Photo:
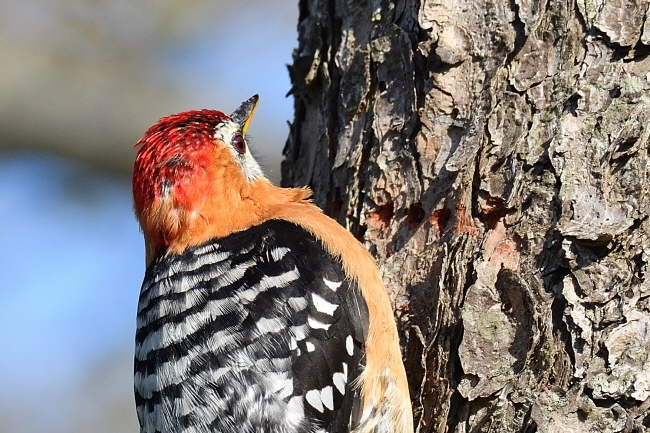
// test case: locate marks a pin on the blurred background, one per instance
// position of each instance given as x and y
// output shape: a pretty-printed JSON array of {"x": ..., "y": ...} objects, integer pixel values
[{"x": 80, "y": 82}]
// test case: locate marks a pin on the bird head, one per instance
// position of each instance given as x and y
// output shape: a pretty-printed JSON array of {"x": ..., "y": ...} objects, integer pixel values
[{"x": 194, "y": 179}]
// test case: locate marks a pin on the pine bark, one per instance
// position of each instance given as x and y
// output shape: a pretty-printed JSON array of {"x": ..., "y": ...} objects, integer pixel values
[{"x": 494, "y": 157}]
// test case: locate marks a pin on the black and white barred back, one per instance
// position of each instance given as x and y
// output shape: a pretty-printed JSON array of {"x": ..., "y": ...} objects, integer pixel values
[{"x": 257, "y": 332}]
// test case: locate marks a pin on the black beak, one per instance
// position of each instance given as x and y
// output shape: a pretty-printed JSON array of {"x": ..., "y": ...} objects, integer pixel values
[{"x": 244, "y": 113}]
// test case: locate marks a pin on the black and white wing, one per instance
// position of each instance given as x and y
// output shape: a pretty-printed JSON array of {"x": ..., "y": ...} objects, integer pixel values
[{"x": 258, "y": 332}]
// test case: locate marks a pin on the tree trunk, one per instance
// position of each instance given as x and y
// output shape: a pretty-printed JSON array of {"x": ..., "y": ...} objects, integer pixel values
[{"x": 493, "y": 156}]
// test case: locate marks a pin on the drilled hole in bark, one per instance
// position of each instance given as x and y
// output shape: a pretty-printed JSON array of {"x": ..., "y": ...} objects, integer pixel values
[
  {"x": 439, "y": 219},
  {"x": 383, "y": 215},
  {"x": 414, "y": 215},
  {"x": 492, "y": 211}
]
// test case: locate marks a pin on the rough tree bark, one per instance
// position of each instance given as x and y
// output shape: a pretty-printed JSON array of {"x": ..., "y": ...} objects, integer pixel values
[{"x": 493, "y": 155}]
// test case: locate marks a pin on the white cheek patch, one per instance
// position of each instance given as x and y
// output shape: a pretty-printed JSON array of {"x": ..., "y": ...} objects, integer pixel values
[
  {"x": 225, "y": 133},
  {"x": 250, "y": 167}
]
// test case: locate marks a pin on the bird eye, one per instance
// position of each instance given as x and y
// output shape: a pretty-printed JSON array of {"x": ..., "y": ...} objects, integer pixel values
[{"x": 239, "y": 144}]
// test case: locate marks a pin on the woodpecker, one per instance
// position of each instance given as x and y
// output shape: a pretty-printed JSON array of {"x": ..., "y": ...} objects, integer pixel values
[{"x": 258, "y": 313}]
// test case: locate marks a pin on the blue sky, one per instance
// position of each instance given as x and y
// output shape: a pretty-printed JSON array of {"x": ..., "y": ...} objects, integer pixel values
[
  {"x": 71, "y": 254},
  {"x": 71, "y": 259}
]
